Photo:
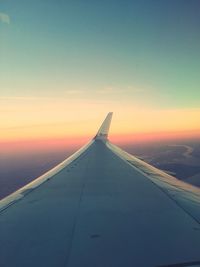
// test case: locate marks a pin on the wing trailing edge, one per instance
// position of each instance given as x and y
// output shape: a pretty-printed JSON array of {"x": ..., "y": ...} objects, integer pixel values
[{"x": 103, "y": 131}]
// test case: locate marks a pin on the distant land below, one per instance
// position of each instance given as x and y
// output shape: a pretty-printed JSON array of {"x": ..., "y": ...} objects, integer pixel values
[{"x": 178, "y": 158}]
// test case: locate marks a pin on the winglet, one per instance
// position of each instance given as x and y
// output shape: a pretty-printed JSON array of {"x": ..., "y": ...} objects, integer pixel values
[{"x": 102, "y": 133}]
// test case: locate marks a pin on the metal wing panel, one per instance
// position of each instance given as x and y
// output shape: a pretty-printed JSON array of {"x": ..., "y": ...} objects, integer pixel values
[
  {"x": 12, "y": 198},
  {"x": 97, "y": 211},
  {"x": 186, "y": 195}
]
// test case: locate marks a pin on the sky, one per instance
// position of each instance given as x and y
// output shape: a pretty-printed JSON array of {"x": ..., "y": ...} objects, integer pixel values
[{"x": 65, "y": 64}]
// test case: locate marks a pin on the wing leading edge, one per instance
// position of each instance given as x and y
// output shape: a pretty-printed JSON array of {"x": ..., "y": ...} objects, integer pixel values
[{"x": 101, "y": 207}]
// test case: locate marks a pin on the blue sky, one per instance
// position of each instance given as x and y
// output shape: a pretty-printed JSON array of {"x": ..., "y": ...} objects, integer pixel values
[
  {"x": 152, "y": 46},
  {"x": 63, "y": 57}
]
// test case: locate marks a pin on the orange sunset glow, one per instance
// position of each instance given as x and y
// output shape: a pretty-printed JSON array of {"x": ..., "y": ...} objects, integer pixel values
[
  {"x": 63, "y": 119},
  {"x": 58, "y": 123}
]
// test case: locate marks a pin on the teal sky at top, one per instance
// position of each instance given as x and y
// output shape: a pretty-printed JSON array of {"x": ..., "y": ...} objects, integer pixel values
[{"x": 140, "y": 49}]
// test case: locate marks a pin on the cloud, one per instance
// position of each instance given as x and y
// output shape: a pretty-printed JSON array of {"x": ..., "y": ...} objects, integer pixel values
[
  {"x": 120, "y": 90},
  {"x": 107, "y": 90},
  {"x": 74, "y": 92},
  {"x": 4, "y": 18},
  {"x": 20, "y": 98}
]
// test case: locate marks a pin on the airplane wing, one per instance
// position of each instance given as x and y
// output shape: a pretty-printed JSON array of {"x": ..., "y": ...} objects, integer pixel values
[{"x": 102, "y": 207}]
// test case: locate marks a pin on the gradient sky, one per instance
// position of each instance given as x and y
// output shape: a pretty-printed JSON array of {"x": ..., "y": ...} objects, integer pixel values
[{"x": 65, "y": 64}]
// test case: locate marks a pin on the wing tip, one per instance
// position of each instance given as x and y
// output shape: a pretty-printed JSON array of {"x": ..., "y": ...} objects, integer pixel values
[{"x": 103, "y": 131}]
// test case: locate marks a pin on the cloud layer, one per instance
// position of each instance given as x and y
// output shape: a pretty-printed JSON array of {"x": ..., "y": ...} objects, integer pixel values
[{"x": 4, "y": 18}]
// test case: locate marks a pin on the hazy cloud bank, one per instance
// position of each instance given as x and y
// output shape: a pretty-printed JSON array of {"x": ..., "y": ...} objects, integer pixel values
[{"x": 4, "y": 18}]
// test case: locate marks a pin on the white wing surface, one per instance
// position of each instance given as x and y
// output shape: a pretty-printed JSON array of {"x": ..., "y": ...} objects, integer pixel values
[{"x": 102, "y": 207}]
